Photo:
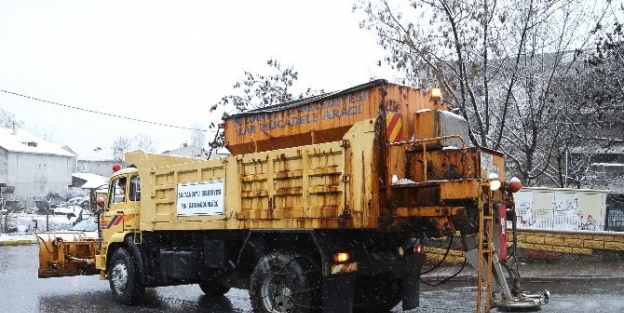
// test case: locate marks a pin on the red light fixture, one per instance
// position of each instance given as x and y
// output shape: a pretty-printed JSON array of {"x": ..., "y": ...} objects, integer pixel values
[
  {"x": 116, "y": 167},
  {"x": 514, "y": 185}
]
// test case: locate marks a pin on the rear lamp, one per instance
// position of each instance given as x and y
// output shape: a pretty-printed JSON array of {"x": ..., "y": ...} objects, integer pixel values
[
  {"x": 341, "y": 257},
  {"x": 418, "y": 249}
]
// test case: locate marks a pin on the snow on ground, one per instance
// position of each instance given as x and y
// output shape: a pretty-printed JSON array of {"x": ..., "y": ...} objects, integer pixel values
[
  {"x": 8, "y": 237},
  {"x": 27, "y": 224}
]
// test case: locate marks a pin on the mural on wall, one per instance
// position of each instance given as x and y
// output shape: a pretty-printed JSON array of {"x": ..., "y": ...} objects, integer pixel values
[{"x": 547, "y": 209}]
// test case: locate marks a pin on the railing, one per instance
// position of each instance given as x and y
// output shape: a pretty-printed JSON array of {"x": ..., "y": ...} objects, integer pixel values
[
  {"x": 560, "y": 221},
  {"x": 615, "y": 220},
  {"x": 29, "y": 223}
]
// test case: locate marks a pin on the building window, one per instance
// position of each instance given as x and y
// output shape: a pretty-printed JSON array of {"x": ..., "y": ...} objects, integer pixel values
[{"x": 84, "y": 167}]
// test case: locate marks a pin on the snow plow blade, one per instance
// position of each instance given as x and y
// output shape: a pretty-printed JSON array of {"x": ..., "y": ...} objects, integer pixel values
[{"x": 66, "y": 254}]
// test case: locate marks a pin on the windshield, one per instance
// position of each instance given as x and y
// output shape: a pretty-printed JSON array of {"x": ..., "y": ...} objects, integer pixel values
[{"x": 88, "y": 225}]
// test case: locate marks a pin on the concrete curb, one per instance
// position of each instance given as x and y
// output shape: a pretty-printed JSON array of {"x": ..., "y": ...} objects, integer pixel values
[
  {"x": 17, "y": 242},
  {"x": 525, "y": 278}
]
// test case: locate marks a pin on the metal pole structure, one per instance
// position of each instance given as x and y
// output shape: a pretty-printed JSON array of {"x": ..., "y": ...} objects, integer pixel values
[
  {"x": 47, "y": 210},
  {"x": 565, "y": 184},
  {"x": 5, "y": 229}
]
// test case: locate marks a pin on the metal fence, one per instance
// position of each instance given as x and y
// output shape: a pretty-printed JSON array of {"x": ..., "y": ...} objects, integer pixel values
[
  {"x": 18, "y": 224},
  {"x": 615, "y": 220},
  {"x": 562, "y": 222},
  {"x": 23, "y": 204}
]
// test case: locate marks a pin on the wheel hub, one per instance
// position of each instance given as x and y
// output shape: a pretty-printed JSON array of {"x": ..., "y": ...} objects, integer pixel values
[
  {"x": 277, "y": 295},
  {"x": 119, "y": 277}
]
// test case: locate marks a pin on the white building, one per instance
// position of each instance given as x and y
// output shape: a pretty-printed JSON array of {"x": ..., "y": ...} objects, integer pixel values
[
  {"x": 33, "y": 167},
  {"x": 98, "y": 161},
  {"x": 187, "y": 151},
  {"x": 196, "y": 152}
]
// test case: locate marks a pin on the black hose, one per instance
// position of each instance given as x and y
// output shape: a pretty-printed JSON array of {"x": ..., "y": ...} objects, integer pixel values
[
  {"x": 448, "y": 249},
  {"x": 447, "y": 279}
]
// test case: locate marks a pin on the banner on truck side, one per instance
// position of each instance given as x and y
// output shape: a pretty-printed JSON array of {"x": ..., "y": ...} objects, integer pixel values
[{"x": 204, "y": 198}]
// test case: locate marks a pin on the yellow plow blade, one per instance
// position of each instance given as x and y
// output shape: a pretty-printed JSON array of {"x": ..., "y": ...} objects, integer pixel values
[{"x": 66, "y": 254}]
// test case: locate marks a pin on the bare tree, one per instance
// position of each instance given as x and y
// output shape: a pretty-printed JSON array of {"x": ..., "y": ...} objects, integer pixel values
[
  {"x": 198, "y": 136},
  {"x": 596, "y": 123},
  {"x": 257, "y": 91},
  {"x": 44, "y": 133},
  {"x": 600, "y": 90},
  {"x": 8, "y": 120},
  {"x": 497, "y": 62},
  {"x": 121, "y": 145},
  {"x": 143, "y": 142}
]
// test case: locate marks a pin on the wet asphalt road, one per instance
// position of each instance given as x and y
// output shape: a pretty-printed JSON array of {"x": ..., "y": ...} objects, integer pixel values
[{"x": 22, "y": 291}]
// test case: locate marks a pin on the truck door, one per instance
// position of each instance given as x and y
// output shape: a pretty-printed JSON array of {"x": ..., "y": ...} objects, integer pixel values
[
  {"x": 123, "y": 201},
  {"x": 117, "y": 192}
]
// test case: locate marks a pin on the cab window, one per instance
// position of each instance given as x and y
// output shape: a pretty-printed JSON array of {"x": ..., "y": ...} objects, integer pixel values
[
  {"x": 134, "y": 194},
  {"x": 118, "y": 190}
]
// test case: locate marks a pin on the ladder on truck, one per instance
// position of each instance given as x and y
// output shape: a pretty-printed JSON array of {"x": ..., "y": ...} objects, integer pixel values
[
  {"x": 485, "y": 252},
  {"x": 492, "y": 287}
]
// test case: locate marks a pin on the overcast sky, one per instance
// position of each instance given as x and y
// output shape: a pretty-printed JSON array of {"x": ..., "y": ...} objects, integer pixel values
[{"x": 165, "y": 61}]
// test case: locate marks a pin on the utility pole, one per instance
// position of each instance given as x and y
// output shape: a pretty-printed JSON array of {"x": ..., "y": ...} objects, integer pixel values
[{"x": 6, "y": 215}]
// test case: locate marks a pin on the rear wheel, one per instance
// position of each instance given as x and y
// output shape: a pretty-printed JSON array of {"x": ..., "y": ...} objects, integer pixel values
[
  {"x": 376, "y": 294},
  {"x": 124, "y": 278},
  {"x": 285, "y": 282}
]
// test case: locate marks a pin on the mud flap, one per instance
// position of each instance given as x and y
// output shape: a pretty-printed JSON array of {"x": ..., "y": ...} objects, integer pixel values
[
  {"x": 410, "y": 294},
  {"x": 338, "y": 294}
]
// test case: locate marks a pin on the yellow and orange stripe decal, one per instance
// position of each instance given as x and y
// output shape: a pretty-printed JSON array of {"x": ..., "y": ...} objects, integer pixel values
[
  {"x": 117, "y": 219},
  {"x": 394, "y": 127}
]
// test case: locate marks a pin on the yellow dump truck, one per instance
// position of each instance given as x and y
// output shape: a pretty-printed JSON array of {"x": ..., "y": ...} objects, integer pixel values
[{"x": 325, "y": 204}]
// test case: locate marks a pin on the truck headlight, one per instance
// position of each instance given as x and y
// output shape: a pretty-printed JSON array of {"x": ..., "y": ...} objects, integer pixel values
[{"x": 495, "y": 183}]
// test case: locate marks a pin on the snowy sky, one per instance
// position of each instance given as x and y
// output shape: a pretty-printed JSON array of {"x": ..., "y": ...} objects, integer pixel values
[{"x": 165, "y": 61}]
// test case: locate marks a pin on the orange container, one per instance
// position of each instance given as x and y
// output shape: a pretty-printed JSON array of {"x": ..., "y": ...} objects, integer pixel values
[{"x": 326, "y": 118}]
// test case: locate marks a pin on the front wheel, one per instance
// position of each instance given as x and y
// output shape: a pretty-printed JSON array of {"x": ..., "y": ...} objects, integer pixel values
[
  {"x": 124, "y": 278},
  {"x": 285, "y": 282}
]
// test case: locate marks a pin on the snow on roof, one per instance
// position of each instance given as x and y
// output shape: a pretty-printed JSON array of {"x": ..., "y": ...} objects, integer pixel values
[
  {"x": 594, "y": 149},
  {"x": 609, "y": 164},
  {"x": 197, "y": 152},
  {"x": 25, "y": 142},
  {"x": 97, "y": 154},
  {"x": 92, "y": 180},
  {"x": 190, "y": 150}
]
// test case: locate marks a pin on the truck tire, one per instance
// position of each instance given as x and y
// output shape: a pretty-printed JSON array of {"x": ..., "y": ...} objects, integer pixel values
[
  {"x": 376, "y": 294},
  {"x": 285, "y": 282},
  {"x": 214, "y": 288},
  {"x": 124, "y": 278}
]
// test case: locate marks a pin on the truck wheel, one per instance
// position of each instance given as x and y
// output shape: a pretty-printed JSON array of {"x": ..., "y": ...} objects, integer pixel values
[
  {"x": 376, "y": 294},
  {"x": 124, "y": 278},
  {"x": 284, "y": 282},
  {"x": 214, "y": 288}
]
